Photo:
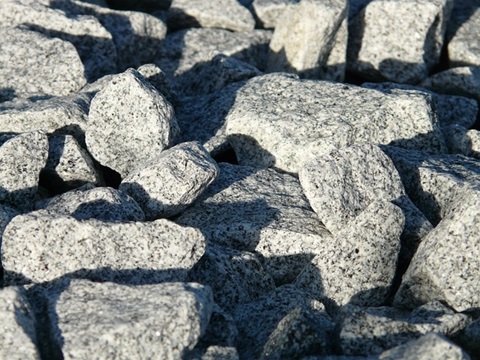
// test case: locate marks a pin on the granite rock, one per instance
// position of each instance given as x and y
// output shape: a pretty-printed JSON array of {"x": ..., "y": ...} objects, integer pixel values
[
  {"x": 219, "y": 352},
  {"x": 134, "y": 252},
  {"x": 447, "y": 262},
  {"x": 268, "y": 12},
  {"x": 429, "y": 346},
  {"x": 259, "y": 211},
  {"x": 261, "y": 320},
  {"x": 280, "y": 121},
  {"x": 223, "y": 14},
  {"x": 130, "y": 123},
  {"x": 221, "y": 330},
  {"x": 168, "y": 184},
  {"x": 235, "y": 276},
  {"x": 108, "y": 320},
  {"x": 159, "y": 79},
  {"x": 463, "y": 47},
  {"x": 370, "y": 331},
  {"x": 18, "y": 339},
  {"x": 390, "y": 41},
  {"x": 469, "y": 338},
  {"x": 29, "y": 69},
  {"x": 89, "y": 202},
  {"x": 359, "y": 264},
  {"x": 305, "y": 37},
  {"x": 6, "y": 215},
  {"x": 22, "y": 158},
  {"x": 462, "y": 141}
]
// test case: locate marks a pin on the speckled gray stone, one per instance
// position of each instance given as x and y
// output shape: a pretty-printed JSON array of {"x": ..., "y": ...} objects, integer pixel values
[
  {"x": 29, "y": 69},
  {"x": 129, "y": 123},
  {"x": 21, "y": 160},
  {"x": 371, "y": 331},
  {"x": 429, "y": 346},
  {"x": 462, "y": 141},
  {"x": 168, "y": 184},
  {"x": 257, "y": 320},
  {"x": 223, "y": 14},
  {"x": 6, "y": 215},
  {"x": 59, "y": 115},
  {"x": 221, "y": 330},
  {"x": 450, "y": 109},
  {"x": 89, "y": 202},
  {"x": 92, "y": 41},
  {"x": 397, "y": 41},
  {"x": 235, "y": 276},
  {"x": 359, "y": 264},
  {"x": 132, "y": 252},
  {"x": 219, "y": 352},
  {"x": 281, "y": 121},
  {"x": 305, "y": 36},
  {"x": 262, "y": 211},
  {"x": 157, "y": 77},
  {"x": 434, "y": 181},
  {"x": 18, "y": 337},
  {"x": 447, "y": 262},
  {"x": 268, "y": 12},
  {"x": 106, "y": 320},
  {"x": 463, "y": 47},
  {"x": 469, "y": 338}
]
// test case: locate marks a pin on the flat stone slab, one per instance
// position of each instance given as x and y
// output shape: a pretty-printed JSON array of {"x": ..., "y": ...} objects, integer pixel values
[
  {"x": 133, "y": 253},
  {"x": 105, "y": 320}
]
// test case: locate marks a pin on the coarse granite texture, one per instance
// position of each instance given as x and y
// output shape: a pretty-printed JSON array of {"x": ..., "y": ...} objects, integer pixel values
[
  {"x": 429, "y": 346},
  {"x": 305, "y": 36},
  {"x": 268, "y": 12},
  {"x": 434, "y": 181},
  {"x": 133, "y": 252},
  {"x": 358, "y": 265},
  {"x": 447, "y": 262},
  {"x": 463, "y": 47},
  {"x": 397, "y": 41},
  {"x": 92, "y": 41},
  {"x": 280, "y": 121},
  {"x": 262, "y": 211},
  {"x": 168, "y": 184},
  {"x": 258, "y": 320},
  {"x": 29, "y": 69},
  {"x": 6, "y": 215},
  {"x": 370, "y": 331},
  {"x": 159, "y": 79},
  {"x": 219, "y": 352},
  {"x": 89, "y": 202},
  {"x": 222, "y": 14},
  {"x": 235, "y": 276},
  {"x": 462, "y": 141},
  {"x": 18, "y": 339},
  {"x": 22, "y": 157},
  {"x": 129, "y": 123},
  {"x": 221, "y": 330},
  {"x": 107, "y": 320},
  {"x": 469, "y": 338}
]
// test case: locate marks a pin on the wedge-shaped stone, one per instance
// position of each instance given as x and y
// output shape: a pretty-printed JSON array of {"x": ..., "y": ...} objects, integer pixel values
[
  {"x": 371, "y": 331},
  {"x": 268, "y": 12},
  {"x": 21, "y": 160},
  {"x": 282, "y": 121},
  {"x": 106, "y": 320},
  {"x": 171, "y": 182},
  {"x": 262, "y": 211},
  {"x": 447, "y": 262},
  {"x": 28, "y": 67},
  {"x": 123, "y": 252},
  {"x": 130, "y": 123},
  {"x": 463, "y": 48},
  {"x": 18, "y": 339}
]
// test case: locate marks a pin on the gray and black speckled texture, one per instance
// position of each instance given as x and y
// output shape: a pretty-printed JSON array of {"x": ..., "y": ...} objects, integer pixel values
[
  {"x": 463, "y": 47},
  {"x": 268, "y": 12}
]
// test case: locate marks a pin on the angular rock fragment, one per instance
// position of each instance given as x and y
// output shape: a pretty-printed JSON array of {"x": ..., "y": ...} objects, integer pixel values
[
  {"x": 429, "y": 346},
  {"x": 305, "y": 37},
  {"x": 89, "y": 202},
  {"x": 6, "y": 215},
  {"x": 221, "y": 330},
  {"x": 285, "y": 122},
  {"x": 130, "y": 123},
  {"x": 463, "y": 47},
  {"x": 268, "y": 12},
  {"x": 260, "y": 211},
  {"x": 28, "y": 67},
  {"x": 157, "y": 77},
  {"x": 104, "y": 320},
  {"x": 18, "y": 339},
  {"x": 21, "y": 160},
  {"x": 223, "y": 14},
  {"x": 389, "y": 41},
  {"x": 134, "y": 253},
  {"x": 462, "y": 141},
  {"x": 218, "y": 352},
  {"x": 469, "y": 338},
  {"x": 371, "y": 331},
  {"x": 168, "y": 184},
  {"x": 359, "y": 264},
  {"x": 447, "y": 262}
]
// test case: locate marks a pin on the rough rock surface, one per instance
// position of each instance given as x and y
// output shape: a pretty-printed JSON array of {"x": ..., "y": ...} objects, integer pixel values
[
  {"x": 129, "y": 123},
  {"x": 107, "y": 320},
  {"x": 6, "y": 215},
  {"x": 469, "y": 338},
  {"x": 268, "y": 12},
  {"x": 168, "y": 184},
  {"x": 132, "y": 252},
  {"x": 463, "y": 48}
]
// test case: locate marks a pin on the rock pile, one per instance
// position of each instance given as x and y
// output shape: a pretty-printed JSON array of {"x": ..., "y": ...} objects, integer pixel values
[{"x": 239, "y": 179}]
